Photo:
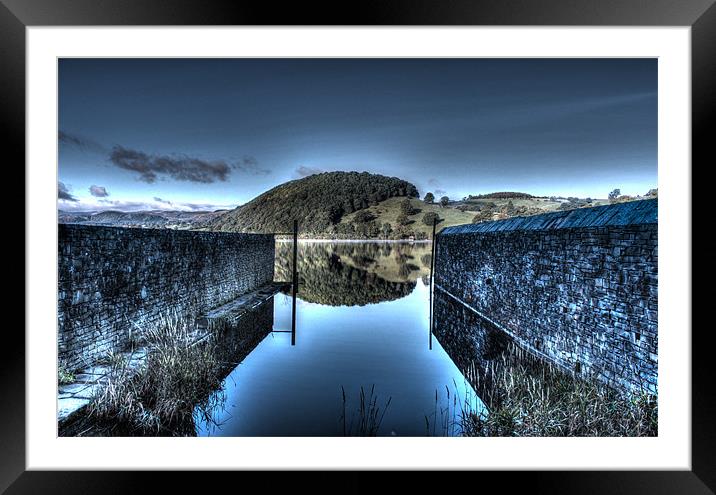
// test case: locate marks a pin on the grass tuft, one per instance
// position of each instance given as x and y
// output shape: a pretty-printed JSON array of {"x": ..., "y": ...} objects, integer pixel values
[{"x": 65, "y": 376}]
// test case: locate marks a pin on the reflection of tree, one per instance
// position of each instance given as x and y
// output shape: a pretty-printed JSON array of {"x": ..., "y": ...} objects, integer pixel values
[{"x": 341, "y": 274}]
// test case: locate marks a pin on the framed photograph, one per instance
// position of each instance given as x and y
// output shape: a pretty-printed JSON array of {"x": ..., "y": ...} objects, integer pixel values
[{"x": 255, "y": 238}]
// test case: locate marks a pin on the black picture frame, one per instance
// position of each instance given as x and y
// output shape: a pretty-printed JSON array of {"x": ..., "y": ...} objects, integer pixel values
[{"x": 16, "y": 15}]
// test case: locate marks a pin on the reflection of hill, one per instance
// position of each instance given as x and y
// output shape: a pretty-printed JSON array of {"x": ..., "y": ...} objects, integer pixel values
[
  {"x": 340, "y": 274},
  {"x": 391, "y": 261}
]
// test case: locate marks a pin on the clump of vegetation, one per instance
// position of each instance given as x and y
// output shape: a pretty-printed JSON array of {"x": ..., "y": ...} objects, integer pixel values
[
  {"x": 160, "y": 396},
  {"x": 64, "y": 374},
  {"x": 407, "y": 208},
  {"x": 386, "y": 230},
  {"x": 403, "y": 219},
  {"x": 527, "y": 396},
  {"x": 444, "y": 201},
  {"x": 430, "y": 218},
  {"x": 369, "y": 414},
  {"x": 429, "y": 198},
  {"x": 486, "y": 214}
]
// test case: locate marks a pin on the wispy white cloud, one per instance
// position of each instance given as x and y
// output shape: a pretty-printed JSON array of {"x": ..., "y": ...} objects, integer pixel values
[
  {"x": 304, "y": 171},
  {"x": 156, "y": 203}
]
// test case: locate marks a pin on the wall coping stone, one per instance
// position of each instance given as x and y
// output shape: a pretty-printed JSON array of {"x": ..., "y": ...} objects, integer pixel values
[{"x": 629, "y": 213}]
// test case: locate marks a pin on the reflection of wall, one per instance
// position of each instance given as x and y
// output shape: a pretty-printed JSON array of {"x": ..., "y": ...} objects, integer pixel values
[
  {"x": 111, "y": 278},
  {"x": 236, "y": 341},
  {"x": 470, "y": 341},
  {"x": 579, "y": 287},
  {"x": 325, "y": 277}
]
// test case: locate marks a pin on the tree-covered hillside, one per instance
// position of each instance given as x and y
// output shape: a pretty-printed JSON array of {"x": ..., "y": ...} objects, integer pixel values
[{"x": 318, "y": 202}]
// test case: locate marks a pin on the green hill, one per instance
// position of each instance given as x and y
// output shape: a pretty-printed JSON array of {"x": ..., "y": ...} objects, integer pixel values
[{"x": 318, "y": 202}]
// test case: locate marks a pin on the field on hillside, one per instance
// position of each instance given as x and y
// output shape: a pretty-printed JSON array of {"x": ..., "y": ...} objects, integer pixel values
[{"x": 389, "y": 210}]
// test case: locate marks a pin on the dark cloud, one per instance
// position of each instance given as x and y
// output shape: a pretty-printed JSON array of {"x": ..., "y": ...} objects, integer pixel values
[
  {"x": 80, "y": 142},
  {"x": 304, "y": 171},
  {"x": 98, "y": 191},
  {"x": 180, "y": 167},
  {"x": 160, "y": 200},
  {"x": 440, "y": 192},
  {"x": 250, "y": 164},
  {"x": 63, "y": 192}
]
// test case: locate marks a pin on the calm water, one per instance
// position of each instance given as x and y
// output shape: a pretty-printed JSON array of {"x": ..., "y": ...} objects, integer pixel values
[{"x": 362, "y": 321}]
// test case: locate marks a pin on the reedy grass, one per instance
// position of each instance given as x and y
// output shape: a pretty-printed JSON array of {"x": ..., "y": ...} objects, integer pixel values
[
  {"x": 161, "y": 395},
  {"x": 527, "y": 396},
  {"x": 370, "y": 414}
]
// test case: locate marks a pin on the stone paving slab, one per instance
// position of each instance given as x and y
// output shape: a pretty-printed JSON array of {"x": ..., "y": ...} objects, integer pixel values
[
  {"x": 88, "y": 382},
  {"x": 67, "y": 406}
]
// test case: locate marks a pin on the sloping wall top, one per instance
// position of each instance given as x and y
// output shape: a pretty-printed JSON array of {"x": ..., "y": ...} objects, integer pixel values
[{"x": 630, "y": 213}]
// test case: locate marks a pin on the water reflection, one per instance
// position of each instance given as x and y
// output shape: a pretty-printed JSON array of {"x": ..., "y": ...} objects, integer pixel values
[
  {"x": 362, "y": 324},
  {"x": 354, "y": 273},
  {"x": 471, "y": 341}
]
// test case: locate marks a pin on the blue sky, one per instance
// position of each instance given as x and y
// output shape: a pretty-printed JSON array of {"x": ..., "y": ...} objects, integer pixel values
[{"x": 210, "y": 133}]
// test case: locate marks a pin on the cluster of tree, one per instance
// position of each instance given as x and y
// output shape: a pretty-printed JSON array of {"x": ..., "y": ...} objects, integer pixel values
[
  {"x": 318, "y": 202},
  {"x": 573, "y": 203},
  {"x": 490, "y": 211},
  {"x": 406, "y": 207},
  {"x": 616, "y": 196},
  {"x": 430, "y": 199},
  {"x": 477, "y": 206},
  {"x": 486, "y": 213},
  {"x": 406, "y": 210},
  {"x": 501, "y": 195}
]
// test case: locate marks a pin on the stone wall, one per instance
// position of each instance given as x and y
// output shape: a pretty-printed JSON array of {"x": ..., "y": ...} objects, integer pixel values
[
  {"x": 111, "y": 279},
  {"x": 578, "y": 288}
]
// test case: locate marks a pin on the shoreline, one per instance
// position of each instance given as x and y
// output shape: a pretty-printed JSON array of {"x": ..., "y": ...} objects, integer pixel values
[{"x": 349, "y": 241}]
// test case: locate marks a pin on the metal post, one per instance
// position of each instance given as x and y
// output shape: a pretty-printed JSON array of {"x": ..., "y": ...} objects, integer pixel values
[
  {"x": 295, "y": 281},
  {"x": 430, "y": 289}
]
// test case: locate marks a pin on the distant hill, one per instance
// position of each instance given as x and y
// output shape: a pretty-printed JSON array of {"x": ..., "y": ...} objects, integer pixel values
[
  {"x": 319, "y": 202},
  {"x": 147, "y": 219},
  {"x": 502, "y": 195}
]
